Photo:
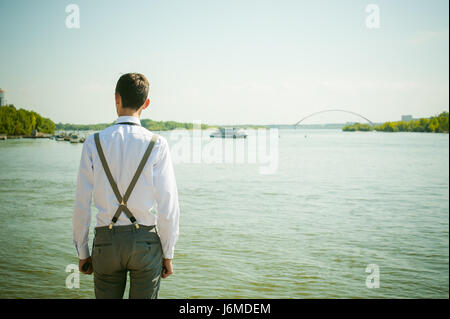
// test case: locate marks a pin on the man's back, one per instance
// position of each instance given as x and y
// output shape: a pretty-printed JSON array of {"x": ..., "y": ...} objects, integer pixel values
[{"x": 123, "y": 146}]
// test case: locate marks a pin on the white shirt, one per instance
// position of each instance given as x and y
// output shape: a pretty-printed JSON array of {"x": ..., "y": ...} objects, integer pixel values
[{"x": 124, "y": 147}]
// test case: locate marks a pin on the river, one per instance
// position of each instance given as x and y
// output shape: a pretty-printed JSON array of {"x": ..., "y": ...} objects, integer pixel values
[{"x": 337, "y": 203}]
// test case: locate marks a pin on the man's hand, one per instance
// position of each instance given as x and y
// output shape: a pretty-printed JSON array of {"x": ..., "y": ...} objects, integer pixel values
[
  {"x": 81, "y": 262},
  {"x": 167, "y": 268}
]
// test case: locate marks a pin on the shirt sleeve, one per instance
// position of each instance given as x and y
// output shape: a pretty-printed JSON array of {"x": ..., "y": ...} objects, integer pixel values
[
  {"x": 166, "y": 194},
  {"x": 81, "y": 218}
]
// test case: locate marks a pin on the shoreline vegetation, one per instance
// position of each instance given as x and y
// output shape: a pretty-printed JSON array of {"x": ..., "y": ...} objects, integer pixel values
[
  {"x": 16, "y": 123},
  {"x": 434, "y": 124},
  {"x": 20, "y": 122},
  {"x": 23, "y": 123},
  {"x": 147, "y": 123}
]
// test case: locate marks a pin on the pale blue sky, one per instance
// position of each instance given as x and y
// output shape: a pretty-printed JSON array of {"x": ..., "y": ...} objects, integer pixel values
[{"x": 227, "y": 61}]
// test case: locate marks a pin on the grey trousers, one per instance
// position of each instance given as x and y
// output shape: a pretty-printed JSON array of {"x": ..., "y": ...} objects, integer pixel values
[{"x": 124, "y": 249}]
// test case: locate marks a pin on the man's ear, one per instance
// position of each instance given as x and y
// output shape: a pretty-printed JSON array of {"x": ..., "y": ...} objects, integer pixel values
[
  {"x": 117, "y": 98},
  {"x": 146, "y": 104}
]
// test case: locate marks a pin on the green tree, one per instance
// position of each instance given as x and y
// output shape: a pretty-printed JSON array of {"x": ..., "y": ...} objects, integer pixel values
[
  {"x": 23, "y": 122},
  {"x": 436, "y": 124},
  {"x": 8, "y": 118}
]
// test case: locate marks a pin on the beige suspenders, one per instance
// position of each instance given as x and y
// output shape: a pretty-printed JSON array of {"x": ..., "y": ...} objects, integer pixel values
[{"x": 123, "y": 200}]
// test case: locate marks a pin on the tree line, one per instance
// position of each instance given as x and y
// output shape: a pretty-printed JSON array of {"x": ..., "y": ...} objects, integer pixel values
[
  {"x": 147, "y": 123},
  {"x": 168, "y": 125},
  {"x": 434, "y": 124},
  {"x": 82, "y": 127},
  {"x": 358, "y": 127},
  {"x": 22, "y": 122}
]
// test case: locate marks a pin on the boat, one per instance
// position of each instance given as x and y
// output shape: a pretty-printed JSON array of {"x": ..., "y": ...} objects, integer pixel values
[
  {"x": 59, "y": 137},
  {"x": 229, "y": 133},
  {"x": 74, "y": 138}
]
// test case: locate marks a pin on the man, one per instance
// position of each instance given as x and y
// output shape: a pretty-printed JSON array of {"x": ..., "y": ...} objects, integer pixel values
[{"x": 129, "y": 171}]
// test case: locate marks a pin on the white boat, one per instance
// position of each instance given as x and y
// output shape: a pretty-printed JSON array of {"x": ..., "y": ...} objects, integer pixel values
[
  {"x": 59, "y": 137},
  {"x": 229, "y": 133},
  {"x": 75, "y": 138}
]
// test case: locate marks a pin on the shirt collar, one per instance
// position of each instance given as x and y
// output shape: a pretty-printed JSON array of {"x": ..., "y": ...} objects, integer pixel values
[{"x": 132, "y": 119}]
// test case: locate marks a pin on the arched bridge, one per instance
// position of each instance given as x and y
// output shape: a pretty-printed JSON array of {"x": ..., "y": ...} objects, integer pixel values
[{"x": 334, "y": 110}]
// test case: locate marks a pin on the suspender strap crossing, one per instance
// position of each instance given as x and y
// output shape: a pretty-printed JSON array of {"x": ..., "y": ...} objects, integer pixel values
[{"x": 123, "y": 200}]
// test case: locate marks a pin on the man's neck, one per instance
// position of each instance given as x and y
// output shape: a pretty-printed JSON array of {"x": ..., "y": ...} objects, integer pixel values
[{"x": 130, "y": 113}]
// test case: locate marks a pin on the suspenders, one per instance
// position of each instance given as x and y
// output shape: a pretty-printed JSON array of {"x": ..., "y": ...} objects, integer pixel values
[{"x": 123, "y": 200}]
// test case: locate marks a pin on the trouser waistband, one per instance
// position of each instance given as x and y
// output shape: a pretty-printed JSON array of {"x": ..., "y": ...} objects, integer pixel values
[{"x": 124, "y": 228}]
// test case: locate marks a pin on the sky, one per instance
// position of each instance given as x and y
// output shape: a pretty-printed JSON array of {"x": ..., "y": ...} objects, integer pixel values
[{"x": 228, "y": 62}]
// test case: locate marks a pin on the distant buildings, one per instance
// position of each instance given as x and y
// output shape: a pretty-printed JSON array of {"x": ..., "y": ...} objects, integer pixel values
[
  {"x": 407, "y": 118},
  {"x": 2, "y": 97}
]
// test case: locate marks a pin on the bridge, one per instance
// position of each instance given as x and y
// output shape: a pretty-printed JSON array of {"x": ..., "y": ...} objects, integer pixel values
[{"x": 334, "y": 110}]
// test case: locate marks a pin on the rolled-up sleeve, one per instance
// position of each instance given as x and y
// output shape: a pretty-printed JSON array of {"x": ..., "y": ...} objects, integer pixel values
[
  {"x": 81, "y": 218},
  {"x": 166, "y": 194}
]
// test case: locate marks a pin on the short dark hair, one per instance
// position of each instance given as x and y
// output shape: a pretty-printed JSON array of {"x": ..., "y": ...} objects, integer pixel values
[{"x": 133, "y": 89}]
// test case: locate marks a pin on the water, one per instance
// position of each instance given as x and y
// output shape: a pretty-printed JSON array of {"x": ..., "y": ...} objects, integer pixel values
[{"x": 337, "y": 203}]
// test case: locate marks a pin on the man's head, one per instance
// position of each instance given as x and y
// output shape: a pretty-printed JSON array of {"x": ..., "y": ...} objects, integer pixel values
[{"x": 132, "y": 93}]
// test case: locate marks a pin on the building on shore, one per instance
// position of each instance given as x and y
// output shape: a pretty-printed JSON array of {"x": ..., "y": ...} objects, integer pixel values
[
  {"x": 37, "y": 134},
  {"x": 407, "y": 118},
  {"x": 2, "y": 97}
]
